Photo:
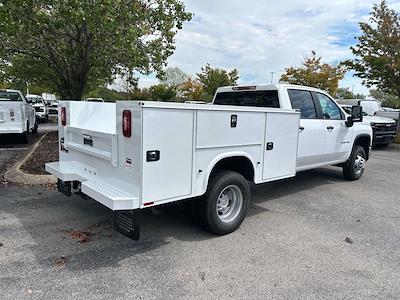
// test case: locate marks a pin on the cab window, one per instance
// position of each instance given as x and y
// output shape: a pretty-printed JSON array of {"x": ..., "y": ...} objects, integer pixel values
[
  {"x": 303, "y": 101},
  {"x": 329, "y": 108},
  {"x": 249, "y": 98}
]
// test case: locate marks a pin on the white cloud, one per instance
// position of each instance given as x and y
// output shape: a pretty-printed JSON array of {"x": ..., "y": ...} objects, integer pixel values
[{"x": 262, "y": 37}]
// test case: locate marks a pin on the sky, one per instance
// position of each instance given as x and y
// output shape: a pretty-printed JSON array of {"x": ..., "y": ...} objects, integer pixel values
[{"x": 260, "y": 37}]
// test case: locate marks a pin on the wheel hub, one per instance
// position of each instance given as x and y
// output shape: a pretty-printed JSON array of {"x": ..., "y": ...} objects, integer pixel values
[
  {"x": 229, "y": 203},
  {"x": 359, "y": 164}
]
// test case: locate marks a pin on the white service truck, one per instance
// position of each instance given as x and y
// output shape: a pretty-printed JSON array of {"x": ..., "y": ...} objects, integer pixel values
[
  {"x": 17, "y": 115},
  {"x": 132, "y": 155}
]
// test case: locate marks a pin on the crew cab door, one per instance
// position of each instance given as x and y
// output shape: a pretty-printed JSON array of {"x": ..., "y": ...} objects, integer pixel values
[
  {"x": 312, "y": 131},
  {"x": 338, "y": 135}
]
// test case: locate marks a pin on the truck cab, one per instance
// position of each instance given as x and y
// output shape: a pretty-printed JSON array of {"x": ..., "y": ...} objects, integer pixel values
[
  {"x": 17, "y": 115},
  {"x": 326, "y": 137}
]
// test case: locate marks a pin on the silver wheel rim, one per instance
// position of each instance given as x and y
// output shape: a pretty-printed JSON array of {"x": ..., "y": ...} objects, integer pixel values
[
  {"x": 359, "y": 164},
  {"x": 229, "y": 203}
]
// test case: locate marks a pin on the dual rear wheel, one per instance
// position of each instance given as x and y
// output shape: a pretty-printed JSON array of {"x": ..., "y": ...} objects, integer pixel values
[{"x": 225, "y": 204}]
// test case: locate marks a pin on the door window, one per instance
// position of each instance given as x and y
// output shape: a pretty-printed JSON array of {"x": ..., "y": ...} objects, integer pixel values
[
  {"x": 303, "y": 101},
  {"x": 329, "y": 109}
]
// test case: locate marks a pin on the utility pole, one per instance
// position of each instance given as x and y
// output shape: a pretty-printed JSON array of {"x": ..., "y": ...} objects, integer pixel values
[{"x": 272, "y": 77}]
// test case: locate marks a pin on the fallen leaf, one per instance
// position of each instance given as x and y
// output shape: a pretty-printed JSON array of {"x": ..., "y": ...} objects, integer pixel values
[
  {"x": 348, "y": 240},
  {"x": 61, "y": 261},
  {"x": 80, "y": 236}
]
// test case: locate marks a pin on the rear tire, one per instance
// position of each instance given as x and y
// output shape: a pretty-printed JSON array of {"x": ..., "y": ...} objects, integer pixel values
[
  {"x": 354, "y": 167},
  {"x": 24, "y": 137},
  {"x": 225, "y": 203}
]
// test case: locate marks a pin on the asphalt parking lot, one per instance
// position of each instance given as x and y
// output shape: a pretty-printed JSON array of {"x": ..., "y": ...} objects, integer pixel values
[{"x": 292, "y": 244}]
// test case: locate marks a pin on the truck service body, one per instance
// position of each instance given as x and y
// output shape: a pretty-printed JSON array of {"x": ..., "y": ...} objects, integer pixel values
[{"x": 137, "y": 154}]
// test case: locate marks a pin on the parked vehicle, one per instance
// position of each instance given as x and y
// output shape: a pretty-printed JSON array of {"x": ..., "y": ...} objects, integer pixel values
[
  {"x": 39, "y": 106},
  {"x": 133, "y": 155},
  {"x": 372, "y": 108},
  {"x": 17, "y": 115},
  {"x": 384, "y": 129}
]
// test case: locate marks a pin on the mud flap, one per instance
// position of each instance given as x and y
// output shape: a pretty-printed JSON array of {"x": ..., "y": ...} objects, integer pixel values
[
  {"x": 64, "y": 187},
  {"x": 127, "y": 222}
]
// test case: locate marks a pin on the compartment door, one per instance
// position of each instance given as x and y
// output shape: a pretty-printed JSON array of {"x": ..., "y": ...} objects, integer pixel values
[
  {"x": 167, "y": 153},
  {"x": 280, "y": 148}
]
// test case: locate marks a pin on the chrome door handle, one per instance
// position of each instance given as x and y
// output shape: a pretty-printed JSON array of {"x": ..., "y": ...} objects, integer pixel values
[
  {"x": 330, "y": 127},
  {"x": 301, "y": 128}
]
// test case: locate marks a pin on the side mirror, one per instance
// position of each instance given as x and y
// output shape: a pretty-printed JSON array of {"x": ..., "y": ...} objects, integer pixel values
[{"x": 356, "y": 115}]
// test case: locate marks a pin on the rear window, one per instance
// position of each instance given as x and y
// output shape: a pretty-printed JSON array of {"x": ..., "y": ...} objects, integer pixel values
[
  {"x": 9, "y": 96},
  {"x": 248, "y": 98},
  {"x": 303, "y": 101}
]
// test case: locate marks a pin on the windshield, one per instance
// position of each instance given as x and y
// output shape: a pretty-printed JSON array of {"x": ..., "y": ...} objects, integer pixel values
[
  {"x": 10, "y": 96},
  {"x": 34, "y": 100}
]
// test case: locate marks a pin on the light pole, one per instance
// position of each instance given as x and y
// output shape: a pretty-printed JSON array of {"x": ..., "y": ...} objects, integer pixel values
[{"x": 272, "y": 77}]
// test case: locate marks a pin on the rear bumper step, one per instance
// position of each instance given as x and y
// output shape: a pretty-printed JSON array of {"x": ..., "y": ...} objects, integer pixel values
[{"x": 96, "y": 187}]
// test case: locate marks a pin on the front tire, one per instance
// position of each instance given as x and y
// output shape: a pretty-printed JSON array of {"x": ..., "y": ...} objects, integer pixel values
[
  {"x": 226, "y": 202},
  {"x": 354, "y": 167}
]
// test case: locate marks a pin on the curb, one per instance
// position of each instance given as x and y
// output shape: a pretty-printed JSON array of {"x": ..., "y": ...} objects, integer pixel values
[{"x": 15, "y": 175}]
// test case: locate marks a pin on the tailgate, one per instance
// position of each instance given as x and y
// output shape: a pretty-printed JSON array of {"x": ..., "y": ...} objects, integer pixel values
[
  {"x": 10, "y": 112},
  {"x": 93, "y": 143}
]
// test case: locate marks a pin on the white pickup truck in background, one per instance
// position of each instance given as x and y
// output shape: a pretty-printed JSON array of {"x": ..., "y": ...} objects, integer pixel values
[
  {"x": 132, "y": 155},
  {"x": 40, "y": 107},
  {"x": 17, "y": 116}
]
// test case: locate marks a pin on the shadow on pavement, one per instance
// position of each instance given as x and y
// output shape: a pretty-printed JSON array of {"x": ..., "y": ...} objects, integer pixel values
[{"x": 48, "y": 218}]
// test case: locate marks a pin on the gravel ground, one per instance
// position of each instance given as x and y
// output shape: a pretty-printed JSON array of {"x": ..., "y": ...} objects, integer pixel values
[{"x": 292, "y": 244}]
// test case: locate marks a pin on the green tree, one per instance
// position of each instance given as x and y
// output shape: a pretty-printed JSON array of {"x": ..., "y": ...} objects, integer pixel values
[
  {"x": 388, "y": 100},
  {"x": 377, "y": 53},
  {"x": 315, "y": 73},
  {"x": 345, "y": 93},
  {"x": 162, "y": 92},
  {"x": 105, "y": 93},
  {"x": 191, "y": 90},
  {"x": 139, "y": 94},
  {"x": 213, "y": 78},
  {"x": 174, "y": 76},
  {"x": 76, "y": 44}
]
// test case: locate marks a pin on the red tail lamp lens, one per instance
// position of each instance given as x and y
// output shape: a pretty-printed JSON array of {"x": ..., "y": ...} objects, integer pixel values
[
  {"x": 127, "y": 123},
  {"x": 63, "y": 116}
]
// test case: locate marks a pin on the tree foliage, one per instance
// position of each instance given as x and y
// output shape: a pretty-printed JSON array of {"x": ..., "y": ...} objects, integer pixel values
[
  {"x": 162, "y": 92},
  {"x": 377, "y": 53},
  {"x": 70, "y": 44},
  {"x": 174, "y": 77},
  {"x": 315, "y": 73},
  {"x": 213, "y": 78},
  {"x": 191, "y": 90},
  {"x": 345, "y": 93},
  {"x": 387, "y": 100}
]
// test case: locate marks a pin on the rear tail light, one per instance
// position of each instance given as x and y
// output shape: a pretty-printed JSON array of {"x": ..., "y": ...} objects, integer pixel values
[
  {"x": 12, "y": 113},
  {"x": 127, "y": 123},
  {"x": 63, "y": 116}
]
